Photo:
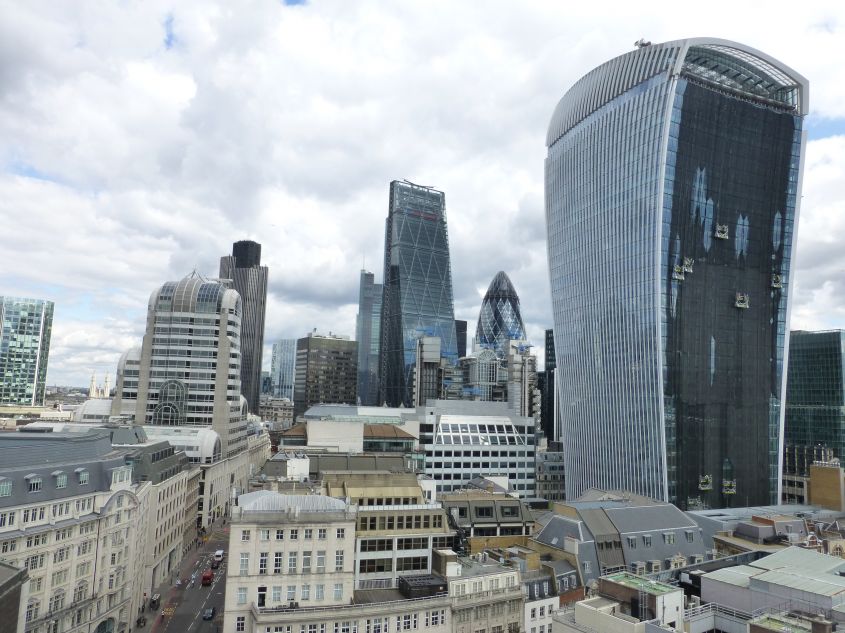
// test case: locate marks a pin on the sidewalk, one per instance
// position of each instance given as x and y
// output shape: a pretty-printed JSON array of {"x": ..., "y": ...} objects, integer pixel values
[{"x": 171, "y": 595}]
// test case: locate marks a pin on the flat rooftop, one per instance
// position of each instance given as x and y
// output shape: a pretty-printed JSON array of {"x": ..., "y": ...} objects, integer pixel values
[
  {"x": 784, "y": 623},
  {"x": 641, "y": 583}
]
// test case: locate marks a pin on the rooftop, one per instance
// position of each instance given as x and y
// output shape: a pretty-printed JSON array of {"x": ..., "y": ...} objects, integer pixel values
[
  {"x": 640, "y": 583},
  {"x": 267, "y": 501}
]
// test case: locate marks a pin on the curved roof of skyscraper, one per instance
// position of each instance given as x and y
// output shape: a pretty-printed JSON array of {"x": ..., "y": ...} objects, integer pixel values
[{"x": 499, "y": 320}]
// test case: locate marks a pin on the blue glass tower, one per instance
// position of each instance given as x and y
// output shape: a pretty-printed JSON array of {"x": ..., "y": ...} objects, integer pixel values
[
  {"x": 499, "y": 320},
  {"x": 417, "y": 289},
  {"x": 672, "y": 187}
]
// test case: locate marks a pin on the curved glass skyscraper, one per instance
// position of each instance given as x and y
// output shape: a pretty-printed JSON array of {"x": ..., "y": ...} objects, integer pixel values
[
  {"x": 672, "y": 187},
  {"x": 499, "y": 320},
  {"x": 417, "y": 288}
]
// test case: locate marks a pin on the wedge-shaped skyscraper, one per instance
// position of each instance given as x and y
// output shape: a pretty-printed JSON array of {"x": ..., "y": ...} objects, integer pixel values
[
  {"x": 672, "y": 187},
  {"x": 417, "y": 287}
]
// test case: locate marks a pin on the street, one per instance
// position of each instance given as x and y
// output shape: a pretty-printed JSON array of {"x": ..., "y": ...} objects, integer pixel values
[{"x": 183, "y": 604}]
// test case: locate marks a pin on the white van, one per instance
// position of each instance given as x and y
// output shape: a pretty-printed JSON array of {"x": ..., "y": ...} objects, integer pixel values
[{"x": 218, "y": 555}]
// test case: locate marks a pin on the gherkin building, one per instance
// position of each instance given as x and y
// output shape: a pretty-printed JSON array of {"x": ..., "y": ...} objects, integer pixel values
[{"x": 499, "y": 320}]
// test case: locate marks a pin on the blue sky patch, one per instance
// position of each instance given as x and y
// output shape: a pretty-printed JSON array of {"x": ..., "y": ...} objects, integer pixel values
[
  {"x": 169, "y": 35},
  {"x": 821, "y": 127}
]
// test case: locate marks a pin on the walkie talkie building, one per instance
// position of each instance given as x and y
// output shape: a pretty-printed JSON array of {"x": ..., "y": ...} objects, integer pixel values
[{"x": 672, "y": 188}]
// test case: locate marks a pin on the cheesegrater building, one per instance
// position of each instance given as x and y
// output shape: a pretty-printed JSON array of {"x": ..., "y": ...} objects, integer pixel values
[
  {"x": 672, "y": 185},
  {"x": 417, "y": 298}
]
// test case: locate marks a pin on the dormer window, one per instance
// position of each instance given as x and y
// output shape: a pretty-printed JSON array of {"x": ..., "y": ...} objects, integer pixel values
[
  {"x": 83, "y": 476},
  {"x": 5, "y": 487},
  {"x": 34, "y": 482},
  {"x": 61, "y": 479}
]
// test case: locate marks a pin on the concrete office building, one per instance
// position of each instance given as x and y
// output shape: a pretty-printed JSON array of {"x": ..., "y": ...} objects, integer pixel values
[
  {"x": 69, "y": 515},
  {"x": 326, "y": 371},
  {"x": 25, "y": 329},
  {"x": 368, "y": 336},
  {"x": 283, "y": 368},
  {"x": 243, "y": 267},
  {"x": 672, "y": 185},
  {"x": 417, "y": 287},
  {"x": 189, "y": 367}
]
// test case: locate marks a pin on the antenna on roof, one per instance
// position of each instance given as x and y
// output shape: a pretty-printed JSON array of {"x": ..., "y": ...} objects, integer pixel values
[{"x": 642, "y": 43}]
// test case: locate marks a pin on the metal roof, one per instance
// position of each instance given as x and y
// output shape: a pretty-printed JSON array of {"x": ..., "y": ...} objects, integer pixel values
[
  {"x": 804, "y": 580},
  {"x": 798, "y": 558},
  {"x": 267, "y": 501},
  {"x": 739, "y": 576}
]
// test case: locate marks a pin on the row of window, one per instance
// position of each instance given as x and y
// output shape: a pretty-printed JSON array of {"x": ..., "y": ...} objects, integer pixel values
[
  {"x": 308, "y": 534},
  {"x": 35, "y": 483},
  {"x": 293, "y": 566},
  {"x": 400, "y": 522},
  {"x": 404, "y": 622},
  {"x": 668, "y": 539}
]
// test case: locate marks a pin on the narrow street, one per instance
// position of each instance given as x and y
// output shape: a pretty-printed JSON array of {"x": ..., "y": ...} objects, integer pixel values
[{"x": 183, "y": 604}]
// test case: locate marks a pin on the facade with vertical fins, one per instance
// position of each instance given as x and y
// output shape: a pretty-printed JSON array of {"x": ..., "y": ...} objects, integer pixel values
[
  {"x": 672, "y": 186},
  {"x": 417, "y": 287},
  {"x": 368, "y": 335},
  {"x": 249, "y": 278}
]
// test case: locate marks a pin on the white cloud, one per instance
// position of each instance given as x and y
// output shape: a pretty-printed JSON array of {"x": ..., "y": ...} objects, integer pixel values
[{"x": 286, "y": 124}]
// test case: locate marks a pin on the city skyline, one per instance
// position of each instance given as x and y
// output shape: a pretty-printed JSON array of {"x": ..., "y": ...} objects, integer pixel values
[{"x": 147, "y": 183}]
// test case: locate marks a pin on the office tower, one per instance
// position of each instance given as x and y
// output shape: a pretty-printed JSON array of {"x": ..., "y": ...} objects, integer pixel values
[
  {"x": 461, "y": 337},
  {"x": 189, "y": 370},
  {"x": 499, "y": 320},
  {"x": 546, "y": 385},
  {"x": 25, "y": 328},
  {"x": 815, "y": 391},
  {"x": 283, "y": 368},
  {"x": 672, "y": 186},
  {"x": 368, "y": 335},
  {"x": 417, "y": 286},
  {"x": 249, "y": 278},
  {"x": 326, "y": 371}
]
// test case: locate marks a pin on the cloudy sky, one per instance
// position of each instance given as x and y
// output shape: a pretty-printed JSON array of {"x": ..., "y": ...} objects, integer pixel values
[{"x": 138, "y": 140}]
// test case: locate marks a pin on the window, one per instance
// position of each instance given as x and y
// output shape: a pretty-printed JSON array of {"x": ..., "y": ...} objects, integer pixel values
[
  {"x": 669, "y": 538},
  {"x": 244, "y": 563},
  {"x": 319, "y": 592},
  {"x": 534, "y": 613},
  {"x": 35, "y": 484},
  {"x": 588, "y": 568},
  {"x": 262, "y": 562},
  {"x": 306, "y": 562},
  {"x": 321, "y": 534},
  {"x": 305, "y": 594},
  {"x": 61, "y": 480},
  {"x": 6, "y": 488},
  {"x": 7, "y": 518},
  {"x": 632, "y": 542},
  {"x": 338, "y": 560},
  {"x": 338, "y": 591},
  {"x": 291, "y": 592},
  {"x": 646, "y": 540},
  {"x": 84, "y": 477},
  {"x": 321, "y": 561},
  {"x": 241, "y": 595},
  {"x": 57, "y": 600},
  {"x": 264, "y": 535},
  {"x": 79, "y": 592},
  {"x": 240, "y": 623},
  {"x": 277, "y": 562},
  {"x": 309, "y": 533},
  {"x": 277, "y": 594},
  {"x": 341, "y": 532},
  {"x": 245, "y": 535},
  {"x": 280, "y": 535},
  {"x": 292, "y": 562},
  {"x": 294, "y": 534},
  {"x": 32, "y": 609},
  {"x": 690, "y": 536}
]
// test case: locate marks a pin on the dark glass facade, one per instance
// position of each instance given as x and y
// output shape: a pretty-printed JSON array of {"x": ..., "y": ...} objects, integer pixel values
[
  {"x": 26, "y": 326},
  {"x": 249, "y": 278},
  {"x": 815, "y": 391},
  {"x": 368, "y": 335},
  {"x": 671, "y": 188},
  {"x": 417, "y": 287},
  {"x": 461, "y": 334}
]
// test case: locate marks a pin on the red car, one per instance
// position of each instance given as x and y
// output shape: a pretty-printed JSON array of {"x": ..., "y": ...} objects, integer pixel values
[{"x": 207, "y": 577}]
